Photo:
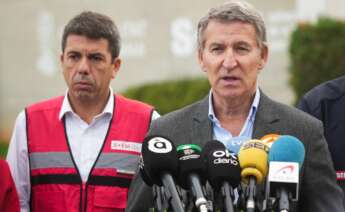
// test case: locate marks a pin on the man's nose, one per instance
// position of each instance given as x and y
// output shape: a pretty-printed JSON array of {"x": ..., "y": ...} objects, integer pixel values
[
  {"x": 229, "y": 61},
  {"x": 83, "y": 66}
]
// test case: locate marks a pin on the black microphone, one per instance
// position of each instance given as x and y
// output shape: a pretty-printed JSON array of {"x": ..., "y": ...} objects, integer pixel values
[
  {"x": 159, "y": 164},
  {"x": 156, "y": 191},
  {"x": 222, "y": 170},
  {"x": 191, "y": 173}
]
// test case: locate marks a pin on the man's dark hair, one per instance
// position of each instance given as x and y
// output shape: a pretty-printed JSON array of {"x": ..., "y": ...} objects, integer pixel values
[{"x": 94, "y": 26}]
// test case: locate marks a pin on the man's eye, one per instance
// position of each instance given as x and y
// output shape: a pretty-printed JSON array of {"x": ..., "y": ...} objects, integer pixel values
[
  {"x": 95, "y": 58},
  {"x": 242, "y": 49},
  {"x": 216, "y": 50},
  {"x": 74, "y": 57}
]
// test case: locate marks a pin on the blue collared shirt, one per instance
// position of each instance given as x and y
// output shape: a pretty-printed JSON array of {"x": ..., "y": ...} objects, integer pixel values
[{"x": 219, "y": 133}]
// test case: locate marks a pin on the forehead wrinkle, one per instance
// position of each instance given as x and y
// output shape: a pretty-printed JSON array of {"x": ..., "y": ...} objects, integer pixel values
[{"x": 233, "y": 32}]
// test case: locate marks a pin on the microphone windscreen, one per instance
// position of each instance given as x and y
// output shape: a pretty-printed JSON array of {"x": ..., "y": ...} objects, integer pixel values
[
  {"x": 210, "y": 146},
  {"x": 287, "y": 149},
  {"x": 159, "y": 155},
  {"x": 221, "y": 165},
  {"x": 189, "y": 158},
  {"x": 253, "y": 157},
  {"x": 269, "y": 139},
  {"x": 144, "y": 175}
]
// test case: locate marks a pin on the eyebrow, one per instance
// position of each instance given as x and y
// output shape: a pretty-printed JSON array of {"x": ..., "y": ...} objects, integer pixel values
[
  {"x": 96, "y": 54},
  {"x": 243, "y": 43},
  {"x": 99, "y": 54},
  {"x": 216, "y": 44},
  {"x": 72, "y": 52}
]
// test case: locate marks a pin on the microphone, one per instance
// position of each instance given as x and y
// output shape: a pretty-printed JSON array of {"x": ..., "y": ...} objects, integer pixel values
[
  {"x": 222, "y": 171},
  {"x": 143, "y": 174},
  {"x": 191, "y": 172},
  {"x": 159, "y": 200},
  {"x": 253, "y": 157},
  {"x": 269, "y": 139},
  {"x": 286, "y": 157},
  {"x": 159, "y": 163}
]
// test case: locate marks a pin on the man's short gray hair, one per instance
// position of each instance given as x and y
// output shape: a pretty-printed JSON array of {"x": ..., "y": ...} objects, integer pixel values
[{"x": 233, "y": 11}]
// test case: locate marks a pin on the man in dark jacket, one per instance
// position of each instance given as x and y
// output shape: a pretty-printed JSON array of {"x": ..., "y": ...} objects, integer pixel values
[
  {"x": 326, "y": 102},
  {"x": 232, "y": 51}
]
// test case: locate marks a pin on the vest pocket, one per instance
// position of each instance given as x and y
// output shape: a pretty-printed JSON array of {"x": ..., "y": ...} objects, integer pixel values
[
  {"x": 110, "y": 198},
  {"x": 49, "y": 201}
]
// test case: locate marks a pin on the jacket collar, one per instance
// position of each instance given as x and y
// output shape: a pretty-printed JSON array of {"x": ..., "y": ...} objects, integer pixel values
[
  {"x": 202, "y": 127},
  {"x": 266, "y": 117},
  {"x": 265, "y": 120}
]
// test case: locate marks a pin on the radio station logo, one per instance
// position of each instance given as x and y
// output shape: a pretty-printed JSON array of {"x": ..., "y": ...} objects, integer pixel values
[
  {"x": 225, "y": 157},
  {"x": 286, "y": 170},
  {"x": 159, "y": 145}
]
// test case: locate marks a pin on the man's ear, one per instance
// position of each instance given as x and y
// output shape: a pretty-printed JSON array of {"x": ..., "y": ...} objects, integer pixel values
[
  {"x": 263, "y": 56},
  {"x": 116, "y": 67},
  {"x": 61, "y": 57},
  {"x": 201, "y": 60}
]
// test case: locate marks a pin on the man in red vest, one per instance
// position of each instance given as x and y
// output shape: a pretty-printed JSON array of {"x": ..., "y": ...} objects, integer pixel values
[
  {"x": 78, "y": 152},
  {"x": 8, "y": 194}
]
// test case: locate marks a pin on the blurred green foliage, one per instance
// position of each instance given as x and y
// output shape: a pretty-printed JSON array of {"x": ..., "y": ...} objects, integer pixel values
[
  {"x": 167, "y": 96},
  {"x": 317, "y": 54},
  {"x": 3, "y": 149}
]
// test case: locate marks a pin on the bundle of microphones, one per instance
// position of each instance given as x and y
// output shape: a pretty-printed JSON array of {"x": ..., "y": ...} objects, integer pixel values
[{"x": 212, "y": 178}]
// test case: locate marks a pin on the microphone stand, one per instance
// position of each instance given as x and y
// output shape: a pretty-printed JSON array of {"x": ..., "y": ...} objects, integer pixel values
[
  {"x": 251, "y": 194},
  {"x": 283, "y": 200},
  {"x": 158, "y": 200},
  {"x": 227, "y": 193},
  {"x": 200, "y": 201},
  {"x": 171, "y": 193}
]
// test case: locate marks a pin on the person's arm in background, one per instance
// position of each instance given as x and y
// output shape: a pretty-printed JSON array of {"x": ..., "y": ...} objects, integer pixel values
[
  {"x": 319, "y": 189},
  {"x": 303, "y": 105},
  {"x": 310, "y": 106},
  {"x": 9, "y": 201},
  {"x": 17, "y": 158}
]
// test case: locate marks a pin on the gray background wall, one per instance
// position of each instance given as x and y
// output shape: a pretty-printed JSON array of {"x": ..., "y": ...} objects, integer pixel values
[{"x": 158, "y": 43}]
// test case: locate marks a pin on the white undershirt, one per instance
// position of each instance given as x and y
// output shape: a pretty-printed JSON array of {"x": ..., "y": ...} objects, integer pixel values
[{"x": 85, "y": 139}]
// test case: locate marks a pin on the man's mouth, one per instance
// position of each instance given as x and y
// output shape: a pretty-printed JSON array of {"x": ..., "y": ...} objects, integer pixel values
[
  {"x": 83, "y": 85},
  {"x": 230, "y": 78}
]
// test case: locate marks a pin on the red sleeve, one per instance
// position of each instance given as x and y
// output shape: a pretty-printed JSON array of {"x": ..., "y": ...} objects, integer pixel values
[{"x": 9, "y": 201}]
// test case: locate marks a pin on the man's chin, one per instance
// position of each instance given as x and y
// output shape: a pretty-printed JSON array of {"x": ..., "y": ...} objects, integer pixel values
[
  {"x": 84, "y": 96},
  {"x": 230, "y": 95}
]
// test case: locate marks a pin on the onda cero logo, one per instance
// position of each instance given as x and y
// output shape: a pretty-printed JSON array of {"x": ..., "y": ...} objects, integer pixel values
[
  {"x": 159, "y": 145},
  {"x": 225, "y": 157}
]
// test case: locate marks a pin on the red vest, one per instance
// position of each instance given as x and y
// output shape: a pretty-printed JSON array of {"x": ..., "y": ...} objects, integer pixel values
[{"x": 56, "y": 184}]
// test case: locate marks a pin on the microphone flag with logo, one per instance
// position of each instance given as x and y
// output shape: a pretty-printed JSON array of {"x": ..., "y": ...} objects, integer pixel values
[
  {"x": 222, "y": 170},
  {"x": 191, "y": 173},
  {"x": 158, "y": 155},
  {"x": 221, "y": 165},
  {"x": 286, "y": 157},
  {"x": 159, "y": 165}
]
